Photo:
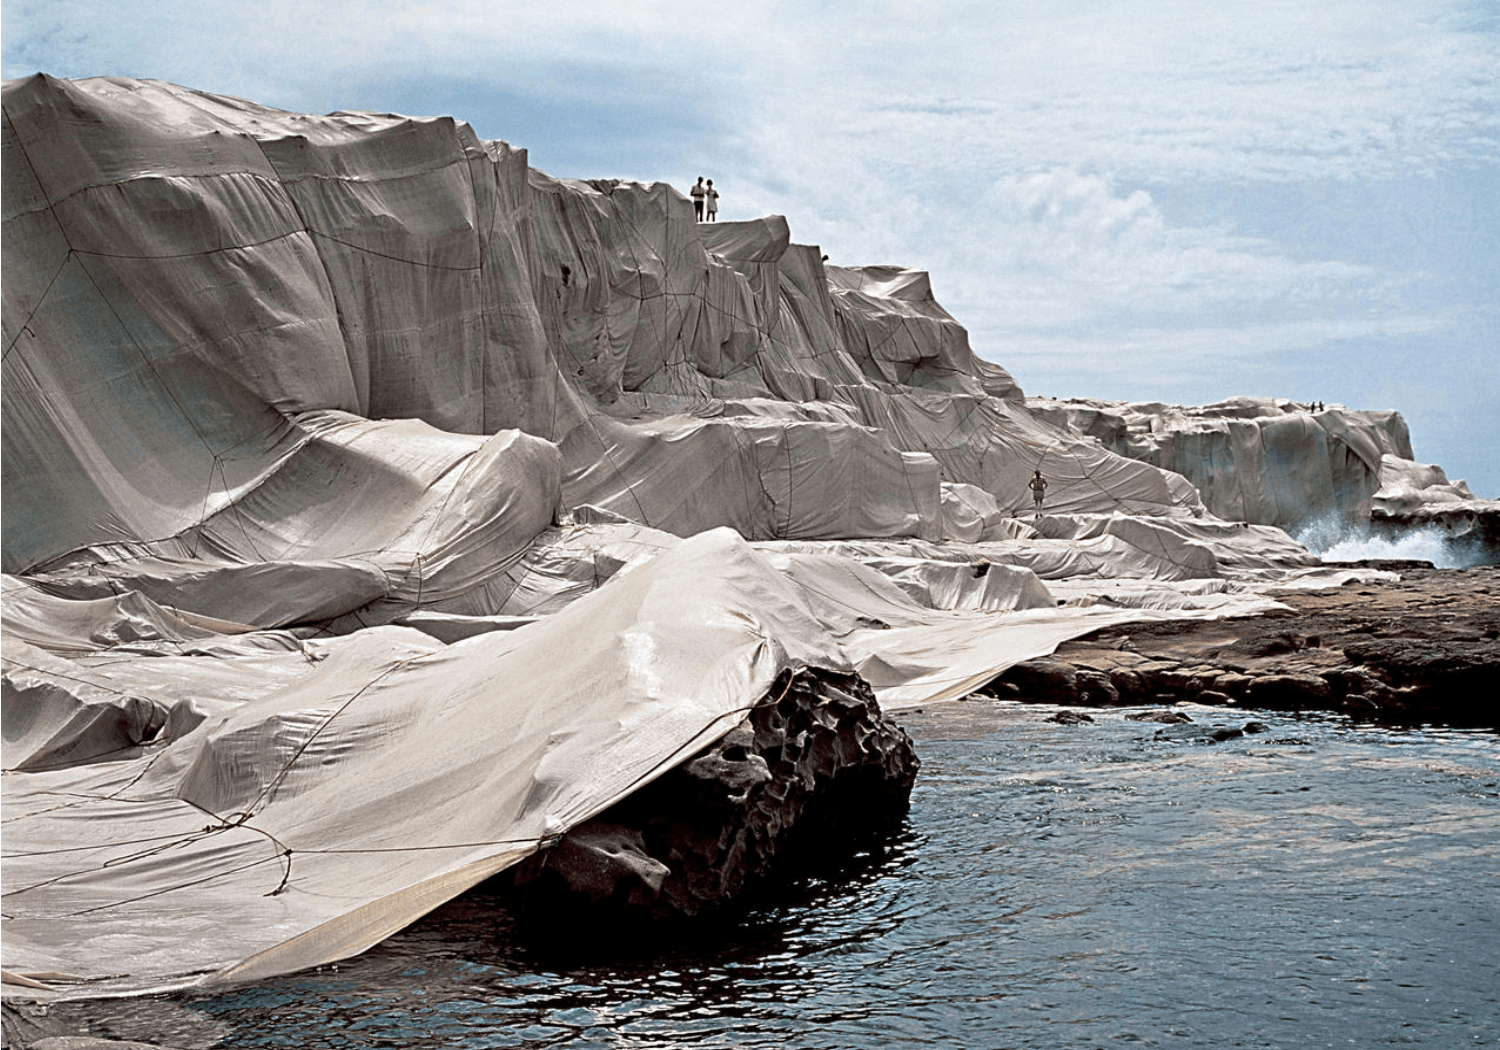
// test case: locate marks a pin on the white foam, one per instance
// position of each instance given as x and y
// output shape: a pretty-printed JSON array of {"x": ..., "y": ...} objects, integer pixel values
[{"x": 1335, "y": 539}]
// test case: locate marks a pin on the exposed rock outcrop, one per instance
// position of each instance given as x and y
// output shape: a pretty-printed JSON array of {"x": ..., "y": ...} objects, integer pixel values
[
  {"x": 1424, "y": 647},
  {"x": 812, "y": 770}
]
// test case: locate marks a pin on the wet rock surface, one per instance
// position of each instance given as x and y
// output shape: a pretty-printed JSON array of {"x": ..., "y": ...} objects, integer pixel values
[
  {"x": 811, "y": 772},
  {"x": 1425, "y": 648}
]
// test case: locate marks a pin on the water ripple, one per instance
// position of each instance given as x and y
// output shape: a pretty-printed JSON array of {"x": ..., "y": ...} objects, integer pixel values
[{"x": 1321, "y": 884}]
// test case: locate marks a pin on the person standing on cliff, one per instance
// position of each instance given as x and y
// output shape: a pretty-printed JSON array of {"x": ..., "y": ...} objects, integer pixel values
[
  {"x": 697, "y": 193},
  {"x": 1038, "y": 486},
  {"x": 711, "y": 201}
]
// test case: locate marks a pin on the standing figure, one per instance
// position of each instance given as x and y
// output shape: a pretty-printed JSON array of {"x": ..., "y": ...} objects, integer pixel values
[
  {"x": 711, "y": 197},
  {"x": 697, "y": 193},
  {"x": 1038, "y": 486}
]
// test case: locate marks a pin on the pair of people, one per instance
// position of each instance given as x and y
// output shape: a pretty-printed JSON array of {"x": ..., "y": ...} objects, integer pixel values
[{"x": 705, "y": 200}]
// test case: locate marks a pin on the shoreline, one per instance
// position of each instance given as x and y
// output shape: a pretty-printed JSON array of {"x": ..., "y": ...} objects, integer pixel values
[{"x": 1421, "y": 649}]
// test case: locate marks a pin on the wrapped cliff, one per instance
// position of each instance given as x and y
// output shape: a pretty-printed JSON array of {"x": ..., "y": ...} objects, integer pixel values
[
  {"x": 1312, "y": 469},
  {"x": 377, "y": 509}
]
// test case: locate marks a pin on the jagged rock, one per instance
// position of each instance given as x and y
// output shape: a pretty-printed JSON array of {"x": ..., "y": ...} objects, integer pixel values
[
  {"x": 815, "y": 765},
  {"x": 23, "y": 1024},
  {"x": 1178, "y": 682},
  {"x": 1278, "y": 643},
  {"x": 35, "y": 1026}
]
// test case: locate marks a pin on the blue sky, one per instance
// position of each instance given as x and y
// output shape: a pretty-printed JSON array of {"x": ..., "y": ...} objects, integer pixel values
[{"x": 1137, "y": 199}]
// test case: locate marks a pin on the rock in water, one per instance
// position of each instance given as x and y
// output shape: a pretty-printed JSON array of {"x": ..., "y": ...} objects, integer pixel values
[{"x": 813, "y": 770}]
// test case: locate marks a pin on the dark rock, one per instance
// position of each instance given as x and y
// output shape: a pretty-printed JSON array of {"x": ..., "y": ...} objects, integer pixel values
[
  {"x": 1127, "y": 683},
  {"x": 1256, "y": 727},
  {"x": 1392, "y": 564},
  {"x": 1345, "y": 680},
  {"x": 1044, "y": 681},
  {"x": 1179, "y": 682},
  {"x": 1424, "y": 648},
  {"x": 1277, "y": 644},
  {"x": 1233, "y": 684},
  {"x": 1164, "y": 717},
  {"x": 1290, "y": 691},
  {"x": 1196, "y": 734},
  {"x": 1095, "y": 689},
  {"x": 813, "y": 770},
  {"x": 1069, "y": 718},
  {"x": 1451, "y": 663}
]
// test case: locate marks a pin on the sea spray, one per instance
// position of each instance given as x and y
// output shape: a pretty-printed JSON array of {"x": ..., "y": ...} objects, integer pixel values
[{"x": 1335, "y": 538}]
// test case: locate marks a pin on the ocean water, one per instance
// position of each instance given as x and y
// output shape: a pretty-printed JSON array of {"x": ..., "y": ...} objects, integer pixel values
[{"x": 1319, "y": 884}]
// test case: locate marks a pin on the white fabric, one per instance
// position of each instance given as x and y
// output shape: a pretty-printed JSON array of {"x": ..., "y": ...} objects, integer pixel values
[
  {"x": 1253, "y": 459},
  {"x": 377, "y": 508}
]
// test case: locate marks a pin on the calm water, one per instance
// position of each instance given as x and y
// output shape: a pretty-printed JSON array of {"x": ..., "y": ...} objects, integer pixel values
[{"x": 1317, "y": 885}]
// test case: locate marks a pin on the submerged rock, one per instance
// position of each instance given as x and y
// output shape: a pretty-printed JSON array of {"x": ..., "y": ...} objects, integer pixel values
[
  {"x": 1196, "y": 734},
  {"x": 1163, "y": 717},
  {"x": 812, "y": 770}
]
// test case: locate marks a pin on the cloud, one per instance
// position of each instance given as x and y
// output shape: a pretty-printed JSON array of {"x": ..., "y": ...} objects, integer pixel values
[
  {"x": 1068, "y": 254},
  {"x": 1162, "y": 90}
]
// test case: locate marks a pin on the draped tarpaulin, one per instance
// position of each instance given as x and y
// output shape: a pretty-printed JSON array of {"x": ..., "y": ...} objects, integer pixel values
[{"x": 377, "y": 508}]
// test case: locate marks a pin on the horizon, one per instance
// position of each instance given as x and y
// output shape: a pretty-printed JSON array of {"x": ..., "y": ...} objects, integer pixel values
[{"x": 1263, "y": 199}]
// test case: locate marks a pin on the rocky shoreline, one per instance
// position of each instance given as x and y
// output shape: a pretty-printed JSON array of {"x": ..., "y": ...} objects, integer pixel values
[
  {"x": 813, "y": 769},
  {"x": 1424, "y": 648},
  {"x": 1421, "y": 649}
]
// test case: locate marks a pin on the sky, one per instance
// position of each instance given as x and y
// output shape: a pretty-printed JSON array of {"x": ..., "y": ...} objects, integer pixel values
[{"x": 1149, "y": 200}]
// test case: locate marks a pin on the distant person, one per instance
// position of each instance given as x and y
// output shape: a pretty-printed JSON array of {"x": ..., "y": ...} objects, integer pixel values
[
  {"x": 1038, "y": 487},
  {"x": 711, "y": 200},
  {"x": 697, "y": 193}
]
